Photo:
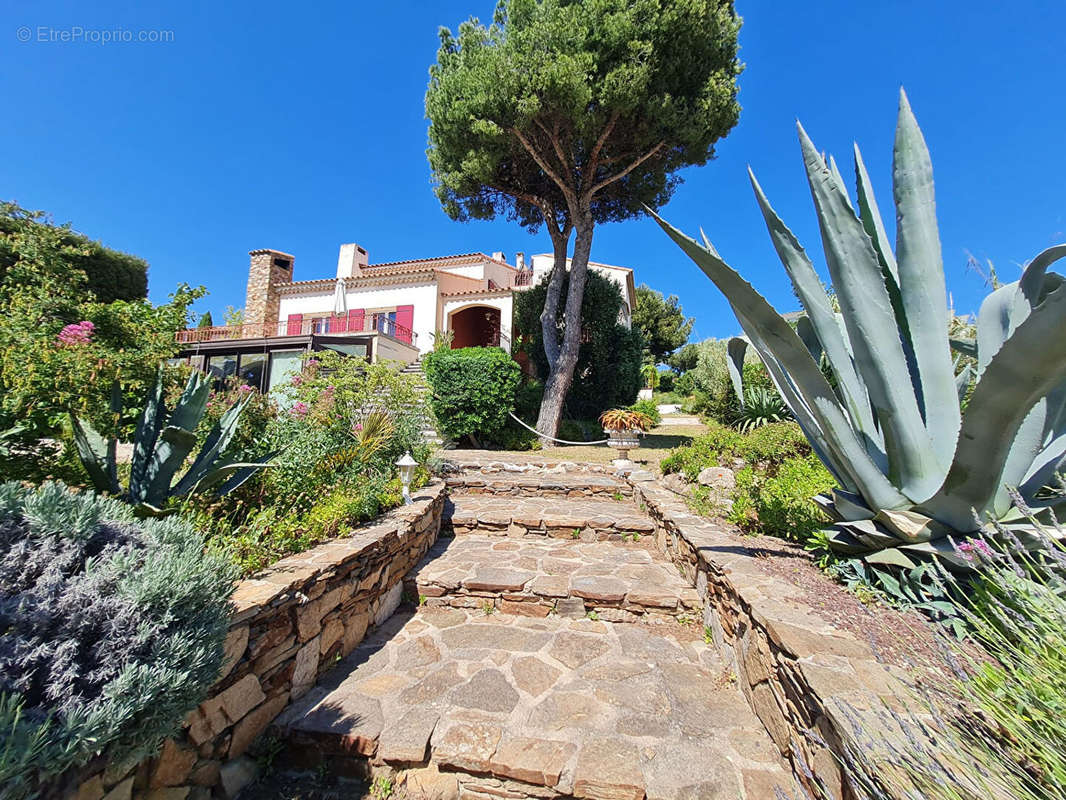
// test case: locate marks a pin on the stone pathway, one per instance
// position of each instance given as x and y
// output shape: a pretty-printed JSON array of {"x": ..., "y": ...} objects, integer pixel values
[
  {"x": 561, "y": 518},
  {"x": 555, "y": 652},
  {"x": 621, "y": 581},
  {"x": 508, "y": 706}
]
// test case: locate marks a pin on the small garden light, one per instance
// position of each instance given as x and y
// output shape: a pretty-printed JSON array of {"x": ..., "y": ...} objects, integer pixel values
[{"x": 407, "y": 470}]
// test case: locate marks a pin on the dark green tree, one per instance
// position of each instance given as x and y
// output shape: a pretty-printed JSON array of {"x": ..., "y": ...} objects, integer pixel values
[
  {"x": 607, "y": 373},
  {"x": 205, "y": 320},
  {"x": 662, "y": 322},
  {"x": 685, "y": 359},
  {"x": 110, "y": 275},
  {"x": 569, "y": 113}
]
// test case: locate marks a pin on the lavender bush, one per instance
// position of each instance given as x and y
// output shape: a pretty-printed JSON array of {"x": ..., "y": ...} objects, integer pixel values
[{"x": 112, "y": 630}]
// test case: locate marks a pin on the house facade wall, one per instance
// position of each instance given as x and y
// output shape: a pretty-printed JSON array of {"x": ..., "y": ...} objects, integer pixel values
[
  {"x": 422, "y": 296},
  {"x": 542, "y": 264}
]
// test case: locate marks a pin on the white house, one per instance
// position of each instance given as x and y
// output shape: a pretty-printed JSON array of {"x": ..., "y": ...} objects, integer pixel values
[{"x": 388, "y": 311}]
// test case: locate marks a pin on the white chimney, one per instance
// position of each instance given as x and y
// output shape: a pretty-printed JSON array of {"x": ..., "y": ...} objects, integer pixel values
[
  {"x": 520, "y": 261},
  {"x": 498, "y": 255},
  {"x": 351, "y": 260}
]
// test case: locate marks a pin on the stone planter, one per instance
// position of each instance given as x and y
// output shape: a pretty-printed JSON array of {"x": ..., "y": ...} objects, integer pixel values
[{"x": 623, "y": 442}]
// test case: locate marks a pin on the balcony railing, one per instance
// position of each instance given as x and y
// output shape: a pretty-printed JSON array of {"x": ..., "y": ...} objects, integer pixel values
[
  {"x": 523, "y": 278},
  {"x": 323, "y": 325}
]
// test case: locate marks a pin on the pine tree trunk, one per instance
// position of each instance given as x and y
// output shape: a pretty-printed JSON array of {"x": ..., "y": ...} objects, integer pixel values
[
  {"x": 561, "y": 374},
  {"x": 548, "y": 324}
]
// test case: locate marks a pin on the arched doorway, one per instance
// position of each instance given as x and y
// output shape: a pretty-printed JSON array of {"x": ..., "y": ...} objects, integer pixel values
[{"x": 475, "y": 326}]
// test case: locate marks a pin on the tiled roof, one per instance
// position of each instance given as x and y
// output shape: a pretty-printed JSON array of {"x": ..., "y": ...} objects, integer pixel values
[
  {"x": 477, "y": 292},
  {"x": 388, "y": 268}
]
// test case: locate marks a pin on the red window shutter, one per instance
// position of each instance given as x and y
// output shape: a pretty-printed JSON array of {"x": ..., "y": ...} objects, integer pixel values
[
  {"x": 355, "y": 319},
  {"x": 338, "y": 324},
  {"x": 295, "y": 323},
  {"x": 405, "y": 318}
]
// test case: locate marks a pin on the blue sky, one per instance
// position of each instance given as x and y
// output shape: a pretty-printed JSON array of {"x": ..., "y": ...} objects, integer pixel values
[{"x": 301, "y": 126}]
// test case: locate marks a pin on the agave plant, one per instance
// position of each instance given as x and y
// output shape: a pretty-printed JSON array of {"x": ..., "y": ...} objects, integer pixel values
[
  {"x": 757, "y": 405},
  {"x": 916, "y": 474},
  {"x": 162, "y": 444}
]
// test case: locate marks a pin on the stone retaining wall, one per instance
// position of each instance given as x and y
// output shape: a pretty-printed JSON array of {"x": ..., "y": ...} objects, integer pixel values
[
  {"x": 799, "y": 673},
  {"x": 290, "y": 623}
]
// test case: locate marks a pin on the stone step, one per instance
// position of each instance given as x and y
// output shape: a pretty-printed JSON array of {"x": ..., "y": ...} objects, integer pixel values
[
  {"x": 538, "y": 577},
  {"x": 484, "y": 706},
  {"x": 587, "y": 519},
  {"x": 563, "y": 484}
]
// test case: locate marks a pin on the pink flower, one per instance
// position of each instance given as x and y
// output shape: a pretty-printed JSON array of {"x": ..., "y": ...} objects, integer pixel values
[
  {"x": 358, "y": 426},
  {"x": 975, "y": 546},
  {"x": 312, "y": 362},
  {"x": 76, "y": 334},
  {"x": 300, "y": 409},
  {"x": 245, "y": 388},
  {"x": 297, "y": 380}
]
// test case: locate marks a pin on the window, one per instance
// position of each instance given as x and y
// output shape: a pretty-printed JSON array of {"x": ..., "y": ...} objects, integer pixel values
[
  {"x": 283, "y": 365},
  {"x": 252, "y": 369},
  {"x": 220, "y": 368},
  {"x": 320, "y": 325},
  {"x": 358, "y": 350}
]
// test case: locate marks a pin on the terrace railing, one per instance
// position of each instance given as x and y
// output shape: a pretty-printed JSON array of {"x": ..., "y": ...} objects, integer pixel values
[{"x": 309, "y": 325}]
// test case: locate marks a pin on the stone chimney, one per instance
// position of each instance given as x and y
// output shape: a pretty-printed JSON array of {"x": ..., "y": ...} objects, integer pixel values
[
  {"x": 520, "y": 261},
  {"x": 267, "y": 269},
  {"x": 351, "y": 260}
]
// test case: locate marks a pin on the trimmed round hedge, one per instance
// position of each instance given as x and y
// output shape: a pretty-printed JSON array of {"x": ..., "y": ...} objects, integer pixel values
[
  {"x": 111, "y": 631},
  {"x": 473, "y": 389}
]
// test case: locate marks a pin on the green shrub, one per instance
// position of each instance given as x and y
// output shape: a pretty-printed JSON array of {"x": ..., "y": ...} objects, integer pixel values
[
  {"x": 780, "y": 504},
  {"x": 649, "y": 407},
  {"x": 609, "y": 359},
  {"x": 580, "y": 430},
  {"x": 716, "y": 448},
  {"x": 473, "y": 390},
  {"x": 112, "y": 632}
]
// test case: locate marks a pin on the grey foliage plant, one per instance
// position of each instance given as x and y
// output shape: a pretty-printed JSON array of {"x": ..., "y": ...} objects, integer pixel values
[
  {"x": 916, "y": 474},
  {"x": 162, "y": 445},
  {"x": 112, "y": 631}
]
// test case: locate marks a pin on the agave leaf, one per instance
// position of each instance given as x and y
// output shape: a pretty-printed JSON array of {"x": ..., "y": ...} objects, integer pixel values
[
  {"x": 217, "y": 440},
  {"x": 911, "y": 527},
  {"x": 1041, "y": 426},
  {"x": 93, "y": 450},
  {"x": 846, "y": 453},
  {"x": 966, "y": 347},
  {"x": 173, "y": 448},
  {"x": 841, "y": 541},
  {"x": 147, "y": 433},
  {"x": 921, "y": 283},
  {"x": 735, "y": 350},
  {"x": 890, "y": 556},
  {"x": 870, "y": 534},
  {"x": 805, "y": 330},
  {"x": 222, "y": 475},
  {"x": 823, "y": 319},
  {"x": 243, "y": 474},
  {"x": 193, "y": 402},
  {"x": 828, "y": 507},
  {"x": 872, "y": 222},
  {"x": 851, "y": 506},
  {"x": 1028, "y": 366},
  {"x": 873, "y": 332},
  {"x": 1008, "y": 306},
  {"x": 962, "y": 381}
]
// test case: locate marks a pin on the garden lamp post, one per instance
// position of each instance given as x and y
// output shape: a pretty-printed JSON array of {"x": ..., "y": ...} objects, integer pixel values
[{"x": 407, "y": 470}]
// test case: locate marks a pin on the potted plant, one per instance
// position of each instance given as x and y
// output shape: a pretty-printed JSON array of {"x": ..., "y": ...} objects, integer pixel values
[{"x": 622, "y": 427}]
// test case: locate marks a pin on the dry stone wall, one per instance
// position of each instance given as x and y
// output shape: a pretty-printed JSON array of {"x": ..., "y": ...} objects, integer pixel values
[
  {"x": 290, "y": 623},
  {"x": 809, "y": 682}
]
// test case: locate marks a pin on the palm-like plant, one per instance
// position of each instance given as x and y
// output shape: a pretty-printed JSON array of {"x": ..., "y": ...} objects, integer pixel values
[
  {"x": 914, "y": 471},
  {"x": 622, "y": 419},
  {"x": 162, "y": 444}
]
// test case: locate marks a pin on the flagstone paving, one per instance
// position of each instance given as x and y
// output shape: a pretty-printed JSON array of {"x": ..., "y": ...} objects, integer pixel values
[
  {"x": 520, "y": 707},
  {"x": 561, "y": 518},
  {"x": 621, "y": 581},
  {"x": 555, "y": 652}
]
